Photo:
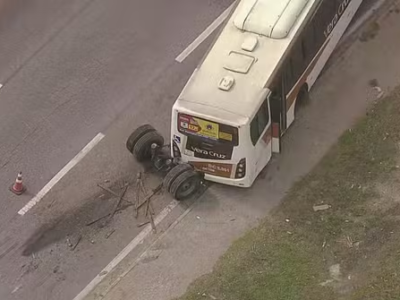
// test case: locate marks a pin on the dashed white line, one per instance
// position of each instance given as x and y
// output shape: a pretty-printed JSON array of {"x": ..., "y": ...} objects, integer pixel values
[
  {"x": 210, "y": 29},
  {"x": 128, "y": 249},
  {"x": 35, "y": 200}
]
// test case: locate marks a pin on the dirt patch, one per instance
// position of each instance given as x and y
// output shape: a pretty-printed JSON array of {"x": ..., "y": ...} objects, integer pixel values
[
  {"x": 349, "y": 249},
  {"x": 370, "y": 32}
]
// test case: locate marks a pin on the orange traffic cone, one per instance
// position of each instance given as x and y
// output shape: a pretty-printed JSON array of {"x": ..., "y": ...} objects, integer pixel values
[{"x": 18, "y": 188}]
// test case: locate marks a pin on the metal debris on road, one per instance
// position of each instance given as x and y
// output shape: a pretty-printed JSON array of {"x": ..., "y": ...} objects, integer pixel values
[
  {"x": 142, "y": 224},
  {"x": 321, "y": 207},
  {"x": 137, "y": 203},
  {"x": 110, "y": 233},
  {"x": 118, "y": 202},
  {"x": 77, "y": 242},
  {"x": 149, "y": 211},
  {"x": 105, "y": 216}
]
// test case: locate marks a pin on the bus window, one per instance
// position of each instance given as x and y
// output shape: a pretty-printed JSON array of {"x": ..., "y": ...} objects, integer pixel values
[
  {"x": 298, "y": 65},
  {"x": 309, "y": 45},
  {"x": 259, "y": 123}
]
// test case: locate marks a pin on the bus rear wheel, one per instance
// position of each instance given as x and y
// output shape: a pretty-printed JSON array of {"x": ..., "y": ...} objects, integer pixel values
[
  {"x": 182, "y": 182},
  {"x": 142, "y": 146}
]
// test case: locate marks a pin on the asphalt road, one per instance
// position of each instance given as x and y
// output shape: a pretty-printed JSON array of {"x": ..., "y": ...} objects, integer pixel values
[{"x": 70, "y": 70}]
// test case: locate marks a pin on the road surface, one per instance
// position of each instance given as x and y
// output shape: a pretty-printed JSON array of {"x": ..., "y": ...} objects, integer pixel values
[{"x": 69, "y": 69}]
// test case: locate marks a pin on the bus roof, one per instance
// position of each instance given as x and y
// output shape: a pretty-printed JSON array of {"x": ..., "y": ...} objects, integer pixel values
[{"x": 233, "y": 75}]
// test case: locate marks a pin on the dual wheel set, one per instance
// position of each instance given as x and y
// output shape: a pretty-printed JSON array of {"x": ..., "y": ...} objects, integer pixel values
[{"x": 147, "y": 145}]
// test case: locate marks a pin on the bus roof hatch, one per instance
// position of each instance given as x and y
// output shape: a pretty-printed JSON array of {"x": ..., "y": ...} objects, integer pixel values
[{"x": 271, "y": 18}]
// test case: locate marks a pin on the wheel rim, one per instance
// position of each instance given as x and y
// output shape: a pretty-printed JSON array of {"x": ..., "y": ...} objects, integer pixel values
[{"x": 187, "y": 187}]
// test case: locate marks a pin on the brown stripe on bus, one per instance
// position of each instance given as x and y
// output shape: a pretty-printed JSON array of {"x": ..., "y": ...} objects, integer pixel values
[
  {"x": 275, "y": 130},
  {"x": 290, "y": 99}
]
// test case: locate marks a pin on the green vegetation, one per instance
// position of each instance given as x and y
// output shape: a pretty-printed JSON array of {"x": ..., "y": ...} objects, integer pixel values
[{"x": 292, "y": 254}]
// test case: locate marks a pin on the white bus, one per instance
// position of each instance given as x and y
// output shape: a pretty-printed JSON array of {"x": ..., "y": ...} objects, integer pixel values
[{"x": 244, "y": 95}]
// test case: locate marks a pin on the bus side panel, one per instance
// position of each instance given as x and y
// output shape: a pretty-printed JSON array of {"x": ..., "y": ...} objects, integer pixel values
[
  {"x": 307, "y": 61},
  {"x": 334, "y": 39}
]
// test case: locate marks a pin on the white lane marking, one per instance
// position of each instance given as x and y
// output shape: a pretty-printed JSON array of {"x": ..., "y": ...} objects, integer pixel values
[
  {"x": 136, "y": 262},
  {"x": 128, "y": 249},
  {"x": 1, "y": 85},
  {"x": 35, "y": 200},
  {"x": 210, "y": 29}
]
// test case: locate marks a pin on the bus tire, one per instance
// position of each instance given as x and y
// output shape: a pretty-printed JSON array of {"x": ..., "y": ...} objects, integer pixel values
[
  {"x": 142, "y": 148},
  {"x": 173, "y": 173},
  {"x": 136, "y": 135},
  {"x": 185, "y": 185},
  {"x": 303, "y": 99}
]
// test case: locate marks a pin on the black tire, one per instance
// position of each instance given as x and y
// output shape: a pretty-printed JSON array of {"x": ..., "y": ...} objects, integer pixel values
[
  {"x": 142, "y": 148},
  {"x": 173, "y": 174},
  {"x": 185, "y": 185},
  {"x": 136, "y": 135},
  {"x": 303, "y": 98}
]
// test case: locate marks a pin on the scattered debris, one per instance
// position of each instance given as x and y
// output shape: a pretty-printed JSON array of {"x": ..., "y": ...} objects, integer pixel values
[
  {"x": 118, "y": 203},
  {"x": 150, "y": 256},
  {"x": 69, "y": 243},
  {"x": 142, "y": 224},
  {"x": 77, "y": 242},
  {"x": 137, "y": 194},
  {"x": 321, "y": 207},
  {"x": 111, "y": 192},
  {"x": 56, "y": 269},
  {"x": 102, "y": 273},
  {"x": 153, "y": 225},
  {"x": 151, "y": 195},
  {"x": 334, "y": 271},
  {"x": 325, "y": 283},
  {"x": 287, "y": 220},
  {"x": 370, "y": 32},
  {"x": 20, "y": 285},
  {"x": 110, "y": 233},
  {"x": 105, "y": 216},
  {"x": 137, "y": 203},
  {"x": 198, "y": 217},
  {"x": 379, "y": 91},
  {"x": 373, "y": 82}
]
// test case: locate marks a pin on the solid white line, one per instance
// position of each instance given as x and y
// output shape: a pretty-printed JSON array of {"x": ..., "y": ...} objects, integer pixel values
[
  {"x": 137, "y": 261},
  {"x": 128, "y": 249},
  {"x": 35, "y": 200},
  {"x": 214, "y": 25}
]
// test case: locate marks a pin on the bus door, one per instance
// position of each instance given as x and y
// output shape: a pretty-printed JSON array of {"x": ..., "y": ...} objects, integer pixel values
[{"x": 261, "y": 137}]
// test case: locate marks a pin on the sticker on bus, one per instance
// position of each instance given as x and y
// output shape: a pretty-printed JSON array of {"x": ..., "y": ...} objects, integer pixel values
[{"x": 195, "y": 126}]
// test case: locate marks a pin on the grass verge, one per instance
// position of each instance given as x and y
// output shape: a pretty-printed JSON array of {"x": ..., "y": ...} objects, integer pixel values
[{"x": 349, "y": 251}]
